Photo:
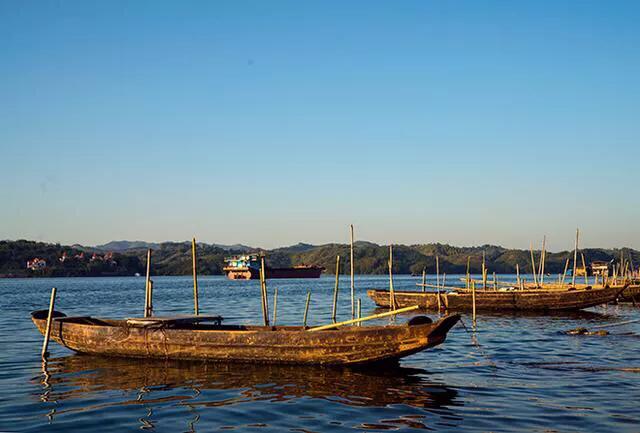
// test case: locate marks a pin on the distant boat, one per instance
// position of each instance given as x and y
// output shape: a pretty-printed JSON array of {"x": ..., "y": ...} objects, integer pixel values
[
  {"x": 247, "y": 267},
  {"x": 503, "y": 299}
]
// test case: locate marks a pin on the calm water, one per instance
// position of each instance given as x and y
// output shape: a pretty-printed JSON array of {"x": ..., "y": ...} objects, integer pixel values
[{"x": 516, "y": 373}]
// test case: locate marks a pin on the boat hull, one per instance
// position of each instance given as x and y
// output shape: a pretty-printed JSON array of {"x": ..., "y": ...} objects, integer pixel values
[
  {"x": 630, "y": 294},
  {"x": 272, "y": 273},
  {"x": 513, "y": 300},
  {"x": 252, "y": 344}
]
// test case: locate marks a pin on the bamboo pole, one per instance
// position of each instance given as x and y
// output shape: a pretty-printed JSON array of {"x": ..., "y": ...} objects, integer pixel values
[
  {"x": 306, "y": 309},
  {"x": 424, "y": 278},
  {"x": 484, "y": 272},
  {"x": 146, "y": 284},
  {"x": 543, "y": 258},
  {"x": 334, "y": 310},
  {"x": 364, "y": 319},
  {"x": 194, "y": 261},
  {"x": 275, "y": 305},
  {"x": 518, "y": 274},
  {"x": 150, "y": 301},
  {"x": 564, "y": 274},
  {"x": 439, "y": 303},
  {"x": 263, "y": 292},
  {"x": 495, "y": 282},
  {"x": 584, "y": 267},
  {"x": 533, "y": 266},
  {"x": 359, "y": 311},
  {"x": 392, "y": 295},
  {"x": 468, "y": 271},
  {"x": 47, "y": 334},
  {"x": 473, "y": 302},
  {"x": 575, "y": 259},
  {"x": 352, "y": 275},
  {"x": 437, "y": 271}
]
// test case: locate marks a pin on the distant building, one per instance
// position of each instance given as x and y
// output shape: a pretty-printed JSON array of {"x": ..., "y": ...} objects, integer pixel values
[
  {"x": 36, "y": 264},
  {"x": 600, "y": 268}
]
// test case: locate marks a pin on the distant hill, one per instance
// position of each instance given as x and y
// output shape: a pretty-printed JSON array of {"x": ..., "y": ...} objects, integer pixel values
[{"x": 174, "y": 258}]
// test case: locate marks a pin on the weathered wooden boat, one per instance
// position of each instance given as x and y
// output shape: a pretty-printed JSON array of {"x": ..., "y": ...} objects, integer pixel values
[
  {"x": 206, "y": 338},
  {"x": 630, "y": 294},
  {"x": 496, "y": 300}
]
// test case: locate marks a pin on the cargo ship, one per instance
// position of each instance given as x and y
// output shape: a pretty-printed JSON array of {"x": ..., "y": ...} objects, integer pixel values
[{"x": 247, "y": 267}]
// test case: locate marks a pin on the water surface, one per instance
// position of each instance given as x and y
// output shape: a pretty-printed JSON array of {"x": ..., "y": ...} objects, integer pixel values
[{"x": 514, "y": 373}]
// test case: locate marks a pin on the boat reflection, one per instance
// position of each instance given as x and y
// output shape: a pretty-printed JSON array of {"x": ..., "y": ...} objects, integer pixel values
[{"x": 194, "y": 384}]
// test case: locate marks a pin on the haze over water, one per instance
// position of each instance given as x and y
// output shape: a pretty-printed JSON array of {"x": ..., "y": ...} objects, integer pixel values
[{"x": 516, "y": 373}]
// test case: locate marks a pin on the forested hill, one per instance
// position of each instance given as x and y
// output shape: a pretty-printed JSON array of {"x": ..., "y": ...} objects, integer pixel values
[{"x": 174, "y": 258}]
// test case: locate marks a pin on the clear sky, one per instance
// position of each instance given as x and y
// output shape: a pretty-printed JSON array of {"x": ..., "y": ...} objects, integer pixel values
[{"x": 269, "y": 123}]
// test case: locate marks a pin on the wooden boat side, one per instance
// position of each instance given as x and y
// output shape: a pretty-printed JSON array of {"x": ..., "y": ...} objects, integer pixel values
[
  {"x": 524, "y": 300},
  {"x": 286, "y": 344},
  {"x": 631, "y": 294}
]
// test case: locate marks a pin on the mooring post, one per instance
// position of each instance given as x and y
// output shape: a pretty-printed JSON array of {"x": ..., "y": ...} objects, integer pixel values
[
  {"x": 334, "y": 310},
  {"x": 359, "y": 310},
  {"x": 306, "y": 309},
  {"x": 424, "y": 278},
  {"x": 575, "y": 259},
  {"x": 150, "y": 300},
  {"x": 518, "y": 274},
  {"x": 275, "y": 305},
  {"x": 146, "y": 284},
  {"x": 263, "y": 292},
  {"x": 352, "y": 275},
  {"x": 47, "y": 333},
  {"x": 533, "y": 266},
  {"x": 392, "y": 295},
  {"x": 194, "y": 260},
  {"x": 473, "y": 302}
]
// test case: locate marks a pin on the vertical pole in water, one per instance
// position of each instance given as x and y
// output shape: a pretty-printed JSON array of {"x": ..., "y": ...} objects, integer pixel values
[
  {"x": 194, "y": 260},
  {"x": 424, "y": 278},
  {"x": 437, "y": 271},
  {"x": 484, "y": 272},
  {"x": 352, "y": 277},
  {"x": 263, "y": 292},
  {"x": 518, "y": 274},
  {"x": 275, "y": 305},
  {"x": 392, "y": 295},
  {"x": 47, "y": 333},
  {"x": 584, "y": 268},
  {"x": 334, "y": 311},
  {"x": 543, "y": 257},
  {"x": 468, "y": 272},
  {"x": 306, "y": 310},
  {"x": 495, "y": 282},
  {"x": 575, "y": 259},
  {"x": 359, "y": 311},
  {"x": 150, "y": 298},
  {"x": 564, "y": 274},
  {"x": 533, "y": 266},
  {"x": 473, "y": 302},
  {"x": 146, "y": 286}
]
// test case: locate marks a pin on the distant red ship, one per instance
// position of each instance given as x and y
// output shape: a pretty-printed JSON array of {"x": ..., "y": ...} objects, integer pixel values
[{"x": 247, "y": 267}]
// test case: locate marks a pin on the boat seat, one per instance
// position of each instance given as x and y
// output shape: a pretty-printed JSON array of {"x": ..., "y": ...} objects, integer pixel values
[{"x": 164, "y": 321}]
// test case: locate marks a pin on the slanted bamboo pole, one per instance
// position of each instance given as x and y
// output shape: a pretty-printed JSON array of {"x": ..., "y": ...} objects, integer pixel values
[
  {"x": 263, "y": 292},
  {"x": 364, "y": 319},
  {"x": 575, "y": 259},
  {"x": 334, "y": 310},
  {"x": 439, "y": 303},
  {"x": 584, "y": 268},
  {"x": 47, "y": 334},
  {"x": 194, "y": 260},
  {"x": 146, "y": 284},
  {"x": 424, "y": 278},
  {"x": 352, "y": 275},
  {"x": 392, "y": 295},
  {"x": 275, "y": 305},
  {"x": 533, "y": 266},
  {"x": 564, "y": 274},
  {"x": 306, "y": 309}
]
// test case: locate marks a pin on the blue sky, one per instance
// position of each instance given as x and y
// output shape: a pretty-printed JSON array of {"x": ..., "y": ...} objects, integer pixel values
[{"x": 269, "y": 123}]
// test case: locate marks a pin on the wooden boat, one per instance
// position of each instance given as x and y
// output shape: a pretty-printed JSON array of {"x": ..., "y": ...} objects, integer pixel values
[
  {"x": 495, "y": 300},
  {"x": 630, "y": 294},
  {"x": 203, "y": 337}
]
